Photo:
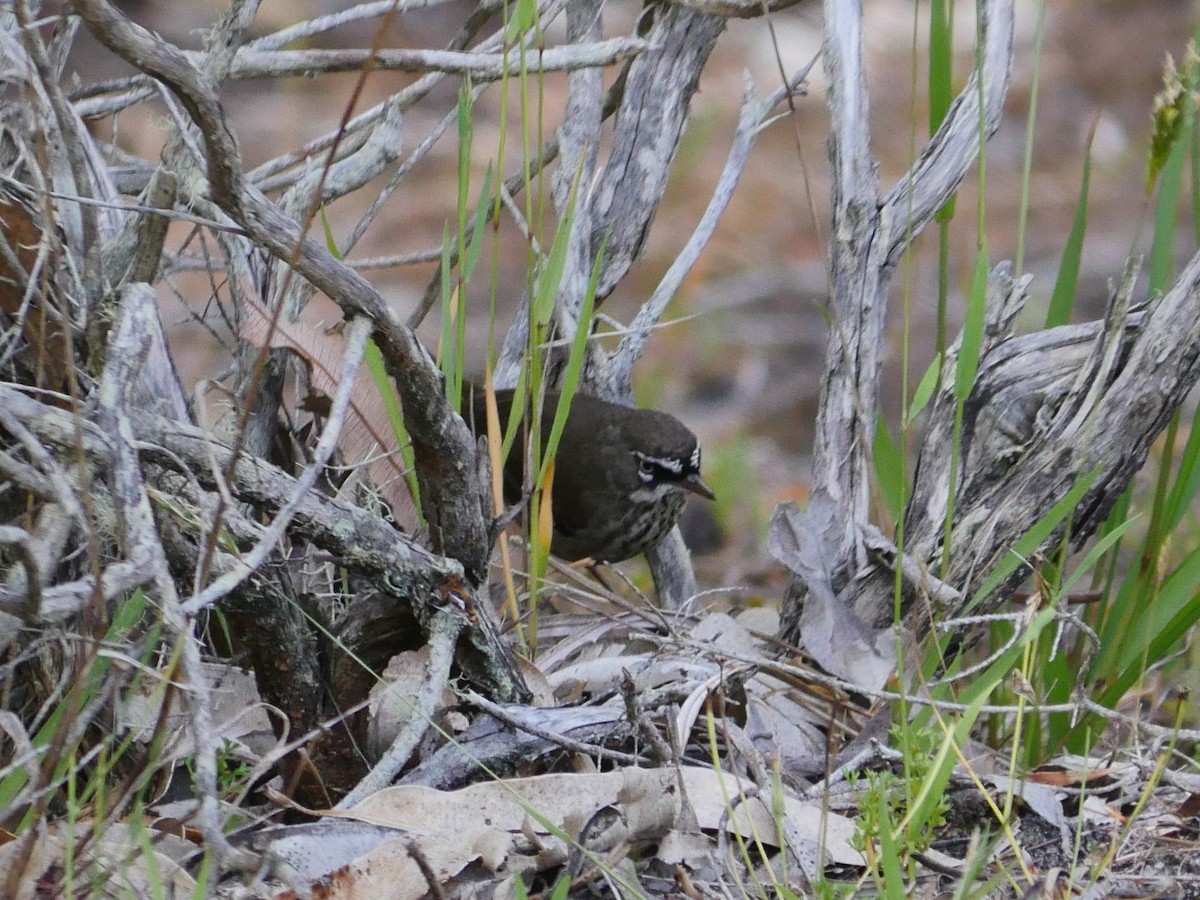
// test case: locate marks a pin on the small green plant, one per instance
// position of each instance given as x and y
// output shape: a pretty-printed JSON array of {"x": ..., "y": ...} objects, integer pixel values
[
  {"x": 232, "y": 771},
  {"x": 886, "y": 834}
]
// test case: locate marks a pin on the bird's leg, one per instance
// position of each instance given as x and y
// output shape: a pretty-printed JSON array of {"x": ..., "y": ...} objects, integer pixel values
[{"x": 593, "y": 568}]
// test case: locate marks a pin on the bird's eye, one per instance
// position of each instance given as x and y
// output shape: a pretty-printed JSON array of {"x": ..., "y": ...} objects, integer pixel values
[{"x": 646, "y": 468}]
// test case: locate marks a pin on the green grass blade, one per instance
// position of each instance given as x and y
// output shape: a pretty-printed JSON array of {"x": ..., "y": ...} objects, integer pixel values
[
  {"x": 941, "y": 83},
  {"x": 1166, "y": 218},
  {"x": 478, "y": 226},
  {"x": 327, "y": 230},
  {"x": 550, "y": 278},
  {"x": 924, "y": 392},
  {"x": 575, "y": 361},
  {"x": 972, "y": 339},
  {"x": 1167, "y": 619},
  {"x": 976, "y": 694},
  {"x": 387, "y": 395},
  {"x": 941, "y": 59},
  {"x": 889, "y": 470},
  {"x": 1187, "y": 478},
  {"x": 446, "y": 360},
  {"x": 1096, "y": 553},
  {"x": 1033, "y": 538},
  {"x": 524, "y": 14},
  {"x": 1174, "y": 128},
  {"x": 892, "y": 881},
  {"x": 1195, "y": 183},
  {"x": 1062, "y": 299}
]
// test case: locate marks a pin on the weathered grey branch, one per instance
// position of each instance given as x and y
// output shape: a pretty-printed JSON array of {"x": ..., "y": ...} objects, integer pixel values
[
  {"x": 1046, "y": 410},
  {"x": 128, "y": 346},
  {"x": 58, "y": 480},
  {"x": 948, "y": 156},
  {"x": 322, "y": 24},
  {"x": 578, "y": 153},
  {"x": 62, "y": 601},
  {"x": 355, "y": 537},
  {"x": 449, "y": 493},
  {"x": 490, "y": 744},
  {"x": 270, "y": 175},
  {"x": 20, "y": 542},
  {"x": 750, "y": 123},
  {"x": 480, "y": 66},
  {"x": 867, "y": 237},
  {"x": 849, "y": 388},
  {"x": 443, "y": 635},
  {"x": 63, "y": 129},
  {"x": 356, "y": 341},
  {"x": 624, "y": 198},
  {"x": 650, "y": 122},
  {"x": 738, "y": 9}
]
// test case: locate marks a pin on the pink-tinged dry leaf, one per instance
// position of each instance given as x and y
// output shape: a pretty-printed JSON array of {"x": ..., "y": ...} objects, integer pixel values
[
  {"x": 367, "y": 438},
  {"x": 1068, "y": 777},
  {"x": 41, "y": 323}
]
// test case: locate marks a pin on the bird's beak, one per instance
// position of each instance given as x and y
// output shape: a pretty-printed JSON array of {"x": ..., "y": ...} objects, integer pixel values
[{"x": 696, "y": 485}]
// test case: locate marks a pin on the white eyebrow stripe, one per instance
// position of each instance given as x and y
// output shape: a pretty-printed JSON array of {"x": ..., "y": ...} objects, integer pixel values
[
  {"x": 671, "y": 465},
  {"x": 696, "y": 458}
]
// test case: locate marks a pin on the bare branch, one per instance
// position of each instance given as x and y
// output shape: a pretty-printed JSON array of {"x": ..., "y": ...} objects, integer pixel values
[
  {"x": 356, "y": 341},
  {"x": 866, "y": 239},
  {"x": 449, "y": 493},
  {"x": 738, "y": 9},
  {"x": 754, "y": 113},
  {"x": 443, "y": 634},
  {"x": 950, "y": 153},
  {"x": 480, "y": 66},
  {"x": 129, "y": 343}
]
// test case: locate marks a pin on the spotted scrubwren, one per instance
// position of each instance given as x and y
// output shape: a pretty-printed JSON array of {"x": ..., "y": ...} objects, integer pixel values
[{"x": 621, "y": 475}]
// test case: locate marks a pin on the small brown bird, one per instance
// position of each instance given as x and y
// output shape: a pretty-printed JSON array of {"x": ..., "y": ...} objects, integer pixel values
[{"x": 621, "y": 475}]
